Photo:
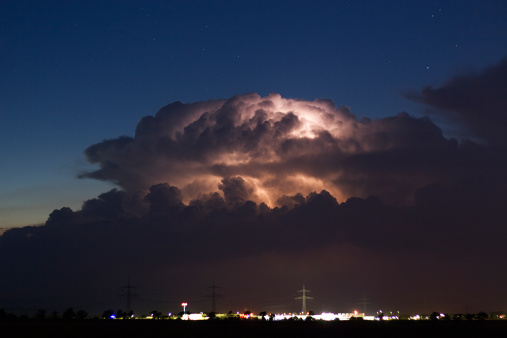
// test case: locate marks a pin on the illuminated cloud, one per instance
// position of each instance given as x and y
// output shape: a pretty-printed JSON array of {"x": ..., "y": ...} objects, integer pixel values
[{"x": 275, "y": 147}]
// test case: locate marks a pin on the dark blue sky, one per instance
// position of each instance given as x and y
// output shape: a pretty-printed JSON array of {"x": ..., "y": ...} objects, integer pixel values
[{"x": 73, "y": 73}]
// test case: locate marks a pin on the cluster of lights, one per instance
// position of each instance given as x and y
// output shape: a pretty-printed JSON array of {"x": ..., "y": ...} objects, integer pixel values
[
  {"x": 113, "y": 316},
  {"x": 381, "y": 316},
  {"x": 326, "y": 316}
]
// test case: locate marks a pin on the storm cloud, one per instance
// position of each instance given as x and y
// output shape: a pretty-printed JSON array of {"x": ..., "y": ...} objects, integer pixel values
[
  {"x": 477, "y": 100},
  {"x": 263, "y": 194},
  {"x": 279, "y": 147}
]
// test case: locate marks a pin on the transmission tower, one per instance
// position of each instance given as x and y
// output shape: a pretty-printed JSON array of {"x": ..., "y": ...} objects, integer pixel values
[
  {"x": 128, "y": 295},
  {"x": 214, "y": 296},
  {"x": 364, "y": 302},
  {"x": 304, "y": 298}
]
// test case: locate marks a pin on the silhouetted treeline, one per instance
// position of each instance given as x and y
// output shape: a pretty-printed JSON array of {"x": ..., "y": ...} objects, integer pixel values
[{"x": 71, "y": 314}]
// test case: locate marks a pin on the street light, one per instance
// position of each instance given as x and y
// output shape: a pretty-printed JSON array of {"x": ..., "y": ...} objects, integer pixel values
[{"x": 184, "y": 305}]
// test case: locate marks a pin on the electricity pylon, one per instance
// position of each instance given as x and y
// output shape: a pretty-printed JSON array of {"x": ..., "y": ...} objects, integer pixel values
[
  {"x": 214, "y": 296},
  {"x": 364, "y": 302},
  {"x": 128, "y": 295},
  {"x": 304, "y": 298}
]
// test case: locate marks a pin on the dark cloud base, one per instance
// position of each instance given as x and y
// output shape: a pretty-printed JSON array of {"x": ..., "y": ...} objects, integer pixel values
[{"x": 444, "y": 252}]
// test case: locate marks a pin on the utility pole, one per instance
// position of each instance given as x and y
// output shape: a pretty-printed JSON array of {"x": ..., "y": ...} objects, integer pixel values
[
  {"x": 363, "y": 302},
  {"x": 304, "y": 298},
  {"x": 128, "y": 295},
  {"x": 214, "y": 296}
]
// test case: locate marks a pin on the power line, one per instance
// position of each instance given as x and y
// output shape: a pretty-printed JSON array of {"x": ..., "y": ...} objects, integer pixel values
[{"x": 304, "y": 298}]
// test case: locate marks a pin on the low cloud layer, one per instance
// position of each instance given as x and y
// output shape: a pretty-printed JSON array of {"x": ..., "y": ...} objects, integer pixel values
[
  {"x": 442, "y": 254},
  {"x": 264, "y": 194}
]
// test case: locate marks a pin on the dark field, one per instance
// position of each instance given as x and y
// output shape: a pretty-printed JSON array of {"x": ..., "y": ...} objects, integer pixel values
[{"x": 165, "y": 328}]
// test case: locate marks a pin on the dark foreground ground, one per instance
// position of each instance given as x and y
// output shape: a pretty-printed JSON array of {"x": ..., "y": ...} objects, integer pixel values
[{"x": 166, "y": 328}]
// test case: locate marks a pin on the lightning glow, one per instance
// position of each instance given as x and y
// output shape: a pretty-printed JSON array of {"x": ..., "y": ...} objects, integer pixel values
[{"x": 274, "y": 147}]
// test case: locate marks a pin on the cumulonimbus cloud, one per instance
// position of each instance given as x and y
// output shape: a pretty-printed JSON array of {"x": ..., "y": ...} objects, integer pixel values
[
  {"x": 278, "y": 147},
  {"x": 276, "y": 182}
]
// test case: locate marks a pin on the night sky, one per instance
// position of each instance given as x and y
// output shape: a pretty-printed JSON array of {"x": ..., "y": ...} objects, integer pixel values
[{"x": 358, "y": 148}]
